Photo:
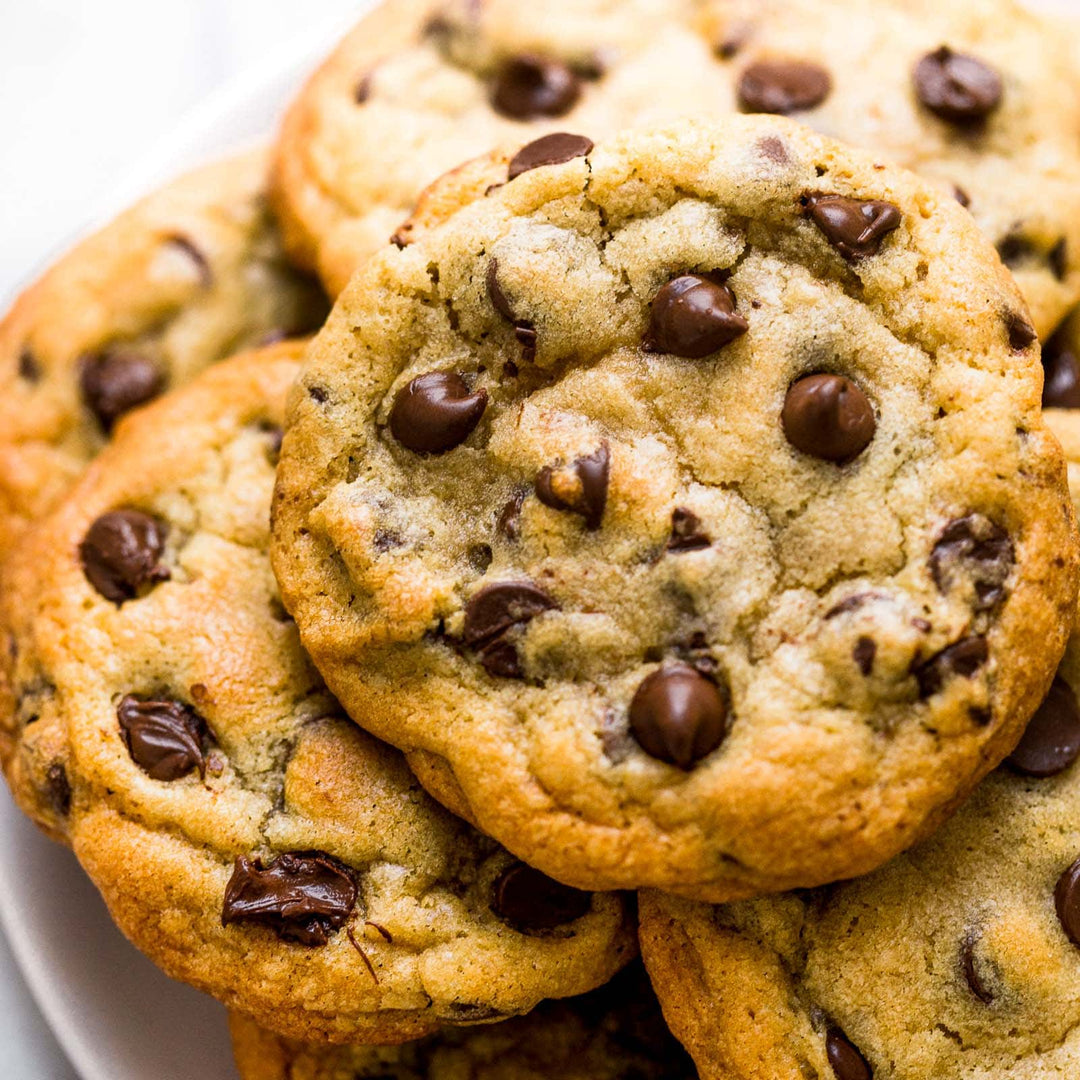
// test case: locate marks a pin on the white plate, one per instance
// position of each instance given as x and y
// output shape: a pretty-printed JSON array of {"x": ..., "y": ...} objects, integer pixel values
[{"x": 114, "y": 1013}]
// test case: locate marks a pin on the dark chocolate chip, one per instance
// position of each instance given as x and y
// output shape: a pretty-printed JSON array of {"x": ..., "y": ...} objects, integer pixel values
[
  {"x": 1067, "y": 902},
  {"x": 686, "y": 531},
  {"x": 29, "y": 368},
  {"x": 532, "y": 902},
  {"x": 206, "y": 275},
  {"x": 165, "y": 738},
  {"x": 863, "y": 653},
  {"x": 1021, "y": 333},
  {"x": 121, "y": 553},
  {"x": 976, "y": 549},
  {"x": 1051, "y": 742},
  {"x": 436, "y": 412},
  {"x": 847, "y": 1063},
  {"x": 301, "y": 897},
  {"x": 1058, "y": 258},
  {"x": 114, "y": 383},
  {"x": 548, "y": 150},
  {"x": 855, "y": 227},
  {"x": 678, "y": 715},
  {"x": 1061, "y": 374},
  {"x": 782, "y": 86},
  {"x": 957, "y": 87},
  {"x": 959, "y": 660},
  {"x": 530, "y": 86},
  {"x": 492, "y": 613},
  {"x": 581, "y": 488},
  {"x": 693, "y": 316},
  {"x": 1015, "y": 249},
  {"x": 317, "y": 394},
  {"x": 828, "y": 417},
  {"x": 509, "y": 520},
  {"x": 970, "y": 966},
  {"x": 499, "y": 300},
  {"x": 59, "y": 788}
]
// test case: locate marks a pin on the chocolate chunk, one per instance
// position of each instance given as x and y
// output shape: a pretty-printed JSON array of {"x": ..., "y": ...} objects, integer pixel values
[
  {"x": 121, "y": 553},
  {"x": 959, "y": 660},
  {"x": 436, "y": 412},
  {"x": 59, "y": 788},
  {"x": 549, "y": 150},
  {"x": 1051, "y": 742},
  {"x": 782, "y": 86},
  {"x": 976, "y": 549},
  {"x": 198, "y": 259},
  {"x": 165, "y": 738},
  {"x": 301, "y": 897},
  {"x": 581, "y": 489},
  {"x": 528, "y": 87},
  {"x": 686, "y": 531},
  {"x": 1058, "y": 258},
  {"x": 1061, "y": 374},
  {"x": 855, "y": 227},
  {"x": 828, "y": 417},
  {"x": 532, "y": 902},
  {"x": 509, "y": 520},
  {"x": 863, "y": 653},
  {"x": 1021, "y": 333},
  {"x": 678, "y": 715},
  {"x": 847, "y": 1063},
  {"x": 490, "y": 616},
  {"x": 29, "y": 368},
  {"x": 1067, "y": 902},
  {"x": 693, "y": 316},
  {"x": 957, "y": 87},
  {"x": 970, "y": 966},
  {"x": 113, "y": 383}
]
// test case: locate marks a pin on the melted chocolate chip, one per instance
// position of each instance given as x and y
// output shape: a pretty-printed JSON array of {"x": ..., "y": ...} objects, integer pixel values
[
  {"x": 956, "y": 87},
  {"x": 686, "y": 531},
  {"x": 1021, "y": 333},
  {"x": 782, "y": 86},
  {"x": 693, "y": 316},
  {"x": 828, "y": 417},
  {"x": 29, "y": 368},
  {"x": 436, "y": 412},
  {"x": 301, "y": 897},
  {"x": 855, "y": 227},
  {"x": 493, "y": 613},
  {"x": 165, "y": 738},
  {"x": 581, "y": 489},
  {"x": 959, "y": 660},
  {"x": 975, "y": 549},
  {"x": 864, "y": 653},
  {"x": 1061, "y": 374},
  {"x": 847, "y": 1063},
  {"x": 532, "y": 902},
  {"x": 970, "y": 966},
  {"x": 59, "y": 788},
  {"x": 113, "y": 383},
  {"x": 678, "y": 715},
  {"x": 549, "y": 150},
  {"x": 509, "y": 520},
  {"x": 1051, "y": 742},
  {"x": 528, "y": 87},
  {"x": 121, "y": 554}
]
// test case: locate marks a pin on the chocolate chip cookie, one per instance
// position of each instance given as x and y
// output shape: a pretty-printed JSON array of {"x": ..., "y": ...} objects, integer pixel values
[
  {"x": 245, "y": 835},
  {"x": 189, "y": 275},
  {"x": 978, "y": 96},
  {"x": 614, "y": 1033},
  {"x": 684, "y": 508}
]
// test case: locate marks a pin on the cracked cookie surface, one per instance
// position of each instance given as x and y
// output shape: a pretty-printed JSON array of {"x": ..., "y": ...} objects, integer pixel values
[
  {"x": 684, "y": 508},
  {"x": 245, "y": 835},
  {"x": 189, "y": 275},
  {"x": 979, "y": 96}
]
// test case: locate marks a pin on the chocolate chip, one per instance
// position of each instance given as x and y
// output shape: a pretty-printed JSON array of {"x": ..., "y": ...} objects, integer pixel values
[
  {"x": 59, "y": 788},
  {"x": 509, "y": 520},
  {"x": 113, "y": 383},
  {"x": 121, "y": 553},
  {"x": 828, "y": 417},
  {"x": 1015, "y": 249},
  {"x": 782, "y": 86},
  {"x": 970, "y": 966},
  {"x": 773, "y": 149},
  {"x": 855, "y": 227},
  {"x": 961, "y": 196},
  {"x": 1051, "y": 742},
  {"x": 1021, "y": 333},
  {"x": 581, "y": 489},
  {"x": 1058, "y": 258},
  {"x": 363, "y": 89},
  {"x": 1067, "y": 902},
  {"x": 532, "y": 902},
  {"x": 959, "y": 660},
  {"x": 678, "y": 715},
  {"x": 549, "y": 150},
  {"x": 686, "y": 531},
  {"x": 863, "y": 653},
  {"x": 29, "y": 368},
  {"x": 693, "y": 316},
  {"x": 436, "y": 412},
  {"x": 530, "y": 86},
  {"x": 851, "y": 603},
  {"x": 975, "y": 549},
  {"x": 492, "y": 613},
  {"x": 182, "y": 243},
  {"x": 301, "y": 897},
  {"x": 523, "y": 329},
  {"x": 847, "y": 1063},
  {"x": 480, "y": 557},
  {"x": 165, "y": 738},
  {"x": 957, "y": 87},
  {"x": 1061, "y": 374}
]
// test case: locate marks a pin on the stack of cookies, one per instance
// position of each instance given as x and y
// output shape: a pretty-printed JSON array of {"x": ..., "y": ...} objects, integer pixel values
[{"x": 596, "y": 482}]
